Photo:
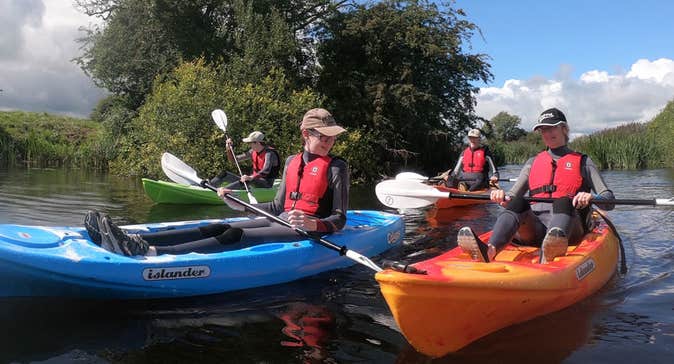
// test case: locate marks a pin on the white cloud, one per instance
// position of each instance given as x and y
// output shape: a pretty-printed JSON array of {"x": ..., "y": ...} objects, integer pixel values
[
  {"x": 36, "y": 71},
  {"x": 596, "y": 100}
]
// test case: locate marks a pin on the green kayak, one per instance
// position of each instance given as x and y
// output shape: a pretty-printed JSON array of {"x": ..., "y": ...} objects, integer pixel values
[{"x": 169, "y": 192}]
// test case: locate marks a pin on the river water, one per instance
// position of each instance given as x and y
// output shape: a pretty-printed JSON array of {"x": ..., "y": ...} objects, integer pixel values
[{"x": 338, "y": 316}]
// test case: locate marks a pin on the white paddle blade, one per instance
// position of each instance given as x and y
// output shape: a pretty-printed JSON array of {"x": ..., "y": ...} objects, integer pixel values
[
  {"x": 411, "y": 176},
  {"x": 362, "y": 260},
  {"x": 664, "y": 201},
  {"x": 220, "y": 119},
  {"x": 407, "y": 194},
  {"x": 178, "y": 171},
  {"x": 251, "y": 198}
]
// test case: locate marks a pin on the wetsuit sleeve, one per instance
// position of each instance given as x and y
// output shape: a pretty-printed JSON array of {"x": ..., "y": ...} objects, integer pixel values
[
  {"x": 596, "y": 183},
  {"x": 493, "y": 171},
  {"x": 522, "y": 185},
  {"x": 339, "y": 184}
]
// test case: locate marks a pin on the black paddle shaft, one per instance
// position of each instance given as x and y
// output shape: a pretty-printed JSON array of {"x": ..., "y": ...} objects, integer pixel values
[{"x": 550, "y": 200}]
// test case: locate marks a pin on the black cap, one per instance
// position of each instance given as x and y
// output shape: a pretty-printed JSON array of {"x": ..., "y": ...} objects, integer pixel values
[{"x": 550, "y": 117}]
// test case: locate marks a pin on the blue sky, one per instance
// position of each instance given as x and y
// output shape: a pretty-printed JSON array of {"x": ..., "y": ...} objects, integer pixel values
[
  {"x": 604, "y": 63},
  {"x": 545, "y": 44}
]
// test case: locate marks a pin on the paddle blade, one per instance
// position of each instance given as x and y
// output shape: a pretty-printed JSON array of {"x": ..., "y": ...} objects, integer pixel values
[
  {"x": 220, "y": 119},
  {"x": 407, "y": 194},
  {"x": 178, "y": 171},
  {"x": 411, "y": 176},
  {"x": 251, "y": 198}
]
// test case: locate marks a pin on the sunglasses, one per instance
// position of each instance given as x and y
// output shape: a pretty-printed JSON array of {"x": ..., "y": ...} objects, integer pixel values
[{"x": 323, "y": 138}]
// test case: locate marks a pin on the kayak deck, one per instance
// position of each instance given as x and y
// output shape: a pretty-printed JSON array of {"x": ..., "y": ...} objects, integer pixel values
[
  {"x": 175, "y": 193},
  {"x": 460, "y": 300},
  {"x": 62, "y": 261}
]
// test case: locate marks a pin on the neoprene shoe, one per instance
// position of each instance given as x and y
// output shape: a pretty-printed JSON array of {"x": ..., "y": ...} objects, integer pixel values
[
  {"x": 554, "y": 245},
  {"x": 116, "y": 240},
  {"x": 92, "y": 225},
  {"x": 473, "y": 246}
]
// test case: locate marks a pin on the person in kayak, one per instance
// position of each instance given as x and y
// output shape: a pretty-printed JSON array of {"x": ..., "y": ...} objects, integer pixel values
[
  {"x": 557, "y": 172},
  {"x": 265, "y": 160},
  {"x": 475, "y": 169},
  {"x": 313, "y": 196}
]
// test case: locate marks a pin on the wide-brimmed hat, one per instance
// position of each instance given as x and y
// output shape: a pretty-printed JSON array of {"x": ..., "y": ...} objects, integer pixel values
[
  {"x": 322, "y": 121},
  {"x": 474, "y": 133},
  {"x": 550, "y": 117},
  {"x": 256, "y": 136}
]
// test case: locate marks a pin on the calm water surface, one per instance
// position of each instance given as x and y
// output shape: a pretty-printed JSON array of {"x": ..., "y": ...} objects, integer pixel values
[{"x": 338, "y": 316}]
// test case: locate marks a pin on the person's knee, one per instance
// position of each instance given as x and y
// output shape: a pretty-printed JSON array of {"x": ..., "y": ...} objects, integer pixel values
[
  {"x": 213, "y": 229},
  {"x": 562, "y": 205},
  {"x": 230, "y": 236},
  {"x": 518, "y": 205}
]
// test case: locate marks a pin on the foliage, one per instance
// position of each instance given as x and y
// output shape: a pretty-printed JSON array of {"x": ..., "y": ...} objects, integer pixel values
[
  {"x": 146, "y": 39},
  {"x": 504, "y": 127},
  {"x": 398, "y": 69},
  {"x": 625, "y": 147},
  {"x": 47, "y": 140},
  {"x": 662, "y": 130},
  {"x": 177, "y": 118}
]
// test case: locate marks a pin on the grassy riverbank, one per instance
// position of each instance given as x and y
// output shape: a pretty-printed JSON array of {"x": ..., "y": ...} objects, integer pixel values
[{"x": 45, "y": 140}]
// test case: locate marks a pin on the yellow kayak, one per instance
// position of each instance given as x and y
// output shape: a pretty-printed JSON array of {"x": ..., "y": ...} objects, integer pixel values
[{"x": 459, "y": 301}]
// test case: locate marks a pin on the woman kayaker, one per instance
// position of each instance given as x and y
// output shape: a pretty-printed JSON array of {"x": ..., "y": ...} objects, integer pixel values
[
  {"x": 313, "y": 196},
  {"x": 475, "y": 168},
  {"x": 557, "y": 172},
  {"x": 265, "y": 160}
]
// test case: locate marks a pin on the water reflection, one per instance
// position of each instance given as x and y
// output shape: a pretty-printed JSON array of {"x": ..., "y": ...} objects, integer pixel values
[{"x": 338, "y": 316}]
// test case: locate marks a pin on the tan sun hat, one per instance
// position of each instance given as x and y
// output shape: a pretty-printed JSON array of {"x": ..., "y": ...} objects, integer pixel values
[
  {"x": 255, "y": 136},
  {"x": 322, "y": 121},
  {"x": 474, "y": 133}
]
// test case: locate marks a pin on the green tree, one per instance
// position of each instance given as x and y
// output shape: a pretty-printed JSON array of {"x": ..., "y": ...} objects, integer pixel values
[
  {"x": 177, "y": 118},
  {"x": 399, "y": 69},
  {"x": 505, "y": 127}
]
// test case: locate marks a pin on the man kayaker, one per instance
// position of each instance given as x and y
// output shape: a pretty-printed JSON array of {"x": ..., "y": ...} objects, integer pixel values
[
  {"x": 471, "y": 172},
  {"x": 557, "y": 172},
  {"x": 265, "y": 160},
  {"x": 313, "y": 196}
]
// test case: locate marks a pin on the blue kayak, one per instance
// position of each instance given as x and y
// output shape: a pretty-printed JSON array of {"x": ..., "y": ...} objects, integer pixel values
[{"x": 62, "y": 261}]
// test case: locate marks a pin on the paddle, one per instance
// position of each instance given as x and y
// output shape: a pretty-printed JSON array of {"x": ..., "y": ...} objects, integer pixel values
[
  {"x": 411, "y": 176},
  {"x": 180, "y": 172},
  {"x": 220, "y": 119},
  {"x": 412, "y": 194}
]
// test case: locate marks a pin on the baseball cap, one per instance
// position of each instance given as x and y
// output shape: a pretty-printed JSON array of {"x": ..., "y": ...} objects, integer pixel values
[
  {"x": 550, "y": 117},
  {"x": 255, "y": 136},
  {"x": 474, "y": 133},
  {"x": 322, "y": 121}
]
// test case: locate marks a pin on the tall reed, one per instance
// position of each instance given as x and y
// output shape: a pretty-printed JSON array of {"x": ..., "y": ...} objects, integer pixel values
[{"x": 629, "y": 146}]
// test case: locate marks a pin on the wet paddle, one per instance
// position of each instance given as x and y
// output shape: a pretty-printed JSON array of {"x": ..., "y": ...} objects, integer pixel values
[
  {"x": 180, "y": 172},
  {"x": 413, "y": 194},
  {"x": 411, "y": 176},
  {"x": 220, "y": 119}
]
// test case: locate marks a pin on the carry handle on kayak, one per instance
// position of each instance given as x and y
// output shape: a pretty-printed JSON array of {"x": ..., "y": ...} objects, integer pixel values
[{"x": 182, "y": 173}]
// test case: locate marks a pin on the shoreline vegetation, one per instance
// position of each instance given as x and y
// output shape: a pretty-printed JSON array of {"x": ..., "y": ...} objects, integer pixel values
[
  {"x": 400, "y": 76},
  {"x": 47, "y": 140}
]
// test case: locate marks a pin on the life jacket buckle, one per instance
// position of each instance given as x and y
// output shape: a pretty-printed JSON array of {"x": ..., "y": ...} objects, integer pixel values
[{"x": 295, "y": 195}]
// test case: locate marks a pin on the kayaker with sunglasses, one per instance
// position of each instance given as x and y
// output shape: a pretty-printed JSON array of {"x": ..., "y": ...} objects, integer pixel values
[{"x": 313, "y": 196}]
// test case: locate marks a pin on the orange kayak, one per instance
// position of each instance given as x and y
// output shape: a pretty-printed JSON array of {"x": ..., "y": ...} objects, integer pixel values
[
  {"x": 460, "y": 301},
  {"x": 445, "y": 203}
]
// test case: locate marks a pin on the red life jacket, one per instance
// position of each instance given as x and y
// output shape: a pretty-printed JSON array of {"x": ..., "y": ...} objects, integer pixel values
[
  {"x": 306, "y": 185},
  {"x": 548, "y": 178},
  {"x": 474, "y": 160},
  {"x": 258, "y": 161}
]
